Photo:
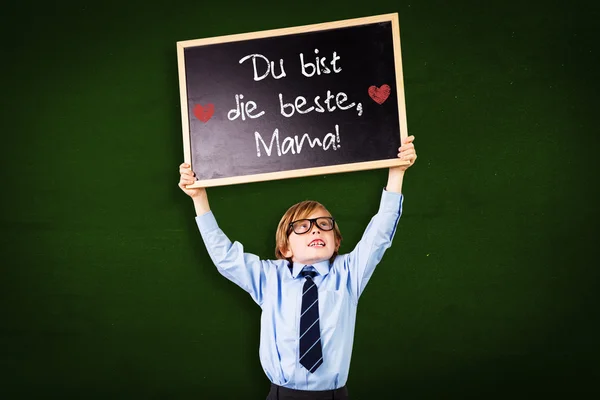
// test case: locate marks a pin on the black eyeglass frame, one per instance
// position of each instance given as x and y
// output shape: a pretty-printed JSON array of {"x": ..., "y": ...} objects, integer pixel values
[{"x": 312, "y": 221}]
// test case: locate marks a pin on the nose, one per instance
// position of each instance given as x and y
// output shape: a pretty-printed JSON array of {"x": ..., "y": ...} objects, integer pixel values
[{"x": 315, "y": 229}]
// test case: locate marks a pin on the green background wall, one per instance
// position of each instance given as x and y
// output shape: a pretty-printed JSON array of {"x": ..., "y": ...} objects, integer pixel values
[{"x": 490, "y": 289}]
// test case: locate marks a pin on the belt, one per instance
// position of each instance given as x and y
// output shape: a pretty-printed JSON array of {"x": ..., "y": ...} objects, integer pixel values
[{"x": 284, "y": 393}]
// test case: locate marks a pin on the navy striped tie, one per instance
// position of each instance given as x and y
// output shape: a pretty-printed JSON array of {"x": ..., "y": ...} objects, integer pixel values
[{"x": 311, "y": 355}]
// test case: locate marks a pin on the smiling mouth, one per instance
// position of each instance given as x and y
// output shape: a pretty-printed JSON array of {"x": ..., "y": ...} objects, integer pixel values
[{"x": 317, "y": 243}]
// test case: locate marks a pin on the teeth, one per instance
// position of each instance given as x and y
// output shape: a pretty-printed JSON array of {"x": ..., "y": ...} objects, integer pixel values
[{"x": 317, "y": 244}]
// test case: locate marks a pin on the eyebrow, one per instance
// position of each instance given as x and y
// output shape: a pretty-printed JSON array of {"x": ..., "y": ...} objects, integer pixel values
[{"x": 307, "y": 217}]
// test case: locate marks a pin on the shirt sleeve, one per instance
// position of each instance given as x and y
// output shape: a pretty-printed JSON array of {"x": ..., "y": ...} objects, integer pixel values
[
  {"x": 376, "y": 239},
  {"x": 244, "y": 269}
]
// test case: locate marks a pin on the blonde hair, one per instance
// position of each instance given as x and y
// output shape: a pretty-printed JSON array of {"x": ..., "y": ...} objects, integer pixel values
[{"x": 300, "y": 211}]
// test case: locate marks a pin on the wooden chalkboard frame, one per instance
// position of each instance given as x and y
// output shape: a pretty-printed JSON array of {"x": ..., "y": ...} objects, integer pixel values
[{"x": 296, "y": 173}]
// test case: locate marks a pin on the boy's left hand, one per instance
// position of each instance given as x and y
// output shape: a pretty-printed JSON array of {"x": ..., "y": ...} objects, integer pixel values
[{"x": 406, "y": 152}]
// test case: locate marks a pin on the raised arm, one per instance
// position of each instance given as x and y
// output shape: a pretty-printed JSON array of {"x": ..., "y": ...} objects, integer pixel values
[
  {"x": 244, "y": 269},
  {"x": 396, "y": 174},
  {"x": 378, "y": 236},
  {"x": 198, "y": 195}
]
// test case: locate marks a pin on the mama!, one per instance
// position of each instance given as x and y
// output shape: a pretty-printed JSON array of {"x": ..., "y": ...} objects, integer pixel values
[{"x": 295, "y": 144}]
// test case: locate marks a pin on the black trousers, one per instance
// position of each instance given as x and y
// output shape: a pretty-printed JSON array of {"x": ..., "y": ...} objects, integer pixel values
[{"x": 281, "y": 393}]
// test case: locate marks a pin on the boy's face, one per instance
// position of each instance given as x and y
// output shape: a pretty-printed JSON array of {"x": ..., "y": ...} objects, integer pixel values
[{"x": 313, "y": 246}]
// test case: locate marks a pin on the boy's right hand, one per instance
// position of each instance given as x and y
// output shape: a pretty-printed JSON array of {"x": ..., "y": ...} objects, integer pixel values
[{"x": 188, "y": 177}]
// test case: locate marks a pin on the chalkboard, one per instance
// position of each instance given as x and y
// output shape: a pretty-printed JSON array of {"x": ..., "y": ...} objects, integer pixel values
[
  {"x": 293, "y": 102},
  {"x": 492, "y": 274}
]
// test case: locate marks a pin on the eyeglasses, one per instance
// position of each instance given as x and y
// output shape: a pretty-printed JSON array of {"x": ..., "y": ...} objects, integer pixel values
[{"x": 304, "y": 225}]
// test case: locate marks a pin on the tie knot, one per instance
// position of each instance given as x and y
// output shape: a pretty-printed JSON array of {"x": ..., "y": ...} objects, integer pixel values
[{"x": 308, "y": 272}]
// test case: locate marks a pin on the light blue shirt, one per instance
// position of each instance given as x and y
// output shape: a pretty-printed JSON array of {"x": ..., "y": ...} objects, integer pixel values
[{"x": 279, "y": 293}]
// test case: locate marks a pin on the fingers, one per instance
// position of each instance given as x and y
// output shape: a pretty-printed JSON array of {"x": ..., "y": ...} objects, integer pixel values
[
  {"x": 187, "y": 176},
  {"x": 408, "y": 154},
  {"x": 185, "y": 169},
  {"x": 183, "y": 182},
  {"x": 407, "y": 143},
  {"x": 187, "y": 179},
  {"x": 407, "y": 150},
  {"x": 408, "y": 139},
  {"x": 406, "y": 146}
]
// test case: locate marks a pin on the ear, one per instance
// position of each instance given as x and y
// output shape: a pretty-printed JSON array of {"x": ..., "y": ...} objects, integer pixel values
[
  {"x": 287, "y": 253},
  {"x": 338, "y": 242}
]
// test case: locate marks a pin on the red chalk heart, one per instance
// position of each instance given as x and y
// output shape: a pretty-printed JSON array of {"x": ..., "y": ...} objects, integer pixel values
[
  {"x": 379, "y": 95},
  {"x": 204, "y": 113}
]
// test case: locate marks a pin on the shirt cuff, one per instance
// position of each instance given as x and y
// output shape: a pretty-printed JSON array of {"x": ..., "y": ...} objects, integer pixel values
[
  {"x": 391, "y": 202},
  {"x": 207, "y": 222}
]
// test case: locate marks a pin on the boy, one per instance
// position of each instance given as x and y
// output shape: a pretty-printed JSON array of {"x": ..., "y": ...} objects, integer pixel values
[{"x": 309, "y": 294}]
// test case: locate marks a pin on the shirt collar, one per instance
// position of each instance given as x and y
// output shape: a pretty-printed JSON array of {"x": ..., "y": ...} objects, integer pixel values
[{"x": 322, "y": 268}]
